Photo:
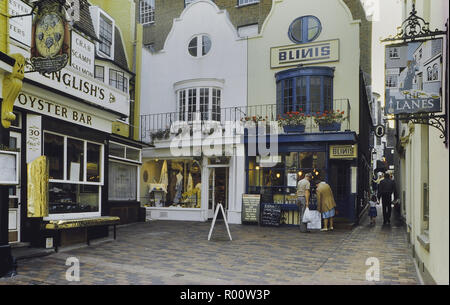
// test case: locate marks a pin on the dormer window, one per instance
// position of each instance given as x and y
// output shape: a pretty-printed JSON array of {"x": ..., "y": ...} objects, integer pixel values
[{"x": 106, "y": 35}]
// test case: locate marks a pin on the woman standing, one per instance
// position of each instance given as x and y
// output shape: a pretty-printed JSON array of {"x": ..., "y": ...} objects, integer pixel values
[{"x": 326, "y": 204}]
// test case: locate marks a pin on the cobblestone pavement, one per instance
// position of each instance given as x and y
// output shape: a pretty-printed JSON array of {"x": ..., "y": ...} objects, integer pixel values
[{"x": 167, "y": 252}]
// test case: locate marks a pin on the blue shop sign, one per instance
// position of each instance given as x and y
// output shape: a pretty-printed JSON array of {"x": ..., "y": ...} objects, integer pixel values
[{"x": 414, "y": 105}]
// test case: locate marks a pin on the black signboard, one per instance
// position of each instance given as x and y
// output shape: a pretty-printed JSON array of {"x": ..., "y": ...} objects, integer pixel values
[
  {"x": 250, "y": 207},
  {"x": 270, "y": 214}
]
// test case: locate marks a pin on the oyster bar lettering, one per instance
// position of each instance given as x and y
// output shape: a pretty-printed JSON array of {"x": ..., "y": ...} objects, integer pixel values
[
  {"x": 37, "y": 104},
  {"x": 318, "y": 52}
]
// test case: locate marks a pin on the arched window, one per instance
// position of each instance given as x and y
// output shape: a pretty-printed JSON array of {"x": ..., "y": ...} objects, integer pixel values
[
  {"x": 309, "y": 90},
  {"x": 435, "y": 72}
]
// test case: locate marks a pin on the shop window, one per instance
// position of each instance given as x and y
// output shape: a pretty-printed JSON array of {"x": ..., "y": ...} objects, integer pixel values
[
  {"x": 124, "y": 152},
  {"x": 281, "y": 179},
  {"x": 204, "y": 100},
  {"x": 122, "y": 182},
  {"x": 305, "y": 29},
  {"x": 74, "y": 186},
  {"x": 146, "y": 11},
  {"x": 308, "y": 90},
  {"x": 173, "y": 183},
  {"x": 105, "y": 35},
  {"x": 199, "y": 46}
]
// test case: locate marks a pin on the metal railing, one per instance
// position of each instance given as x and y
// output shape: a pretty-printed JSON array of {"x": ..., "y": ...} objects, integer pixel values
[{"x": 164, "y": 125}]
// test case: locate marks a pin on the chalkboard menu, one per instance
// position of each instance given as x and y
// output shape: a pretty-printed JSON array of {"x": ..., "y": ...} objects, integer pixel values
[
  {"x": 250, "y": 208},
  {"x": 270, "y": 214}
]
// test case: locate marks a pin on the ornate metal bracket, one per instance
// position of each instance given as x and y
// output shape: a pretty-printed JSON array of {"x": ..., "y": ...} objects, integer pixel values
[
  {"x": 430, "y": 119},
  {"x": 414, "y": 28}
]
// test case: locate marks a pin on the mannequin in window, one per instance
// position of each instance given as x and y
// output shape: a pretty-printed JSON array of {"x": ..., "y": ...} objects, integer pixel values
[{"x": 178, "y": 188}]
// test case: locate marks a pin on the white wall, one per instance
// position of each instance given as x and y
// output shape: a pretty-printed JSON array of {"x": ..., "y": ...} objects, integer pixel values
[{"x": 226, "y": 61}]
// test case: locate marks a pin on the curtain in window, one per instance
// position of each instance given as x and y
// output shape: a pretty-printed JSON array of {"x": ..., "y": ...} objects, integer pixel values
[{"x": 122, "y": 181}]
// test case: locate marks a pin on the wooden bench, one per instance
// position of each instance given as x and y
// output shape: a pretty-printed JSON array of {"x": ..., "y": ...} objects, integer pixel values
[{"x": 58, "y": 225}]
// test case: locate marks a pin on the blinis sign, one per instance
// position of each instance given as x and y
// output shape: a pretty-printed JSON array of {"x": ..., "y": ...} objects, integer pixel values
[{"x": 50, "y": 45}]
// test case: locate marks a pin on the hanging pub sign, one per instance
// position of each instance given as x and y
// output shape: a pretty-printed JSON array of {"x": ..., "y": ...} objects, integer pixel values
[
  {"x": 414, "y": 77},
  {"x": 50, "y": 38}
]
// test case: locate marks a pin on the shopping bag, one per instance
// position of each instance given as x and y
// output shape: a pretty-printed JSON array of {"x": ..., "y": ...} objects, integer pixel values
[
  {"x": 316, "y": 221},
  {"x": 307, "y": 216}
]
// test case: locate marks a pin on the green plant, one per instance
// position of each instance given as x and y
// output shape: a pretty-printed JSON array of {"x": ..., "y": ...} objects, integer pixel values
[
  {"x": 329, "y": 117},
  {"x": 293, "y": 118},
  {"x": 161, "y": 134}
]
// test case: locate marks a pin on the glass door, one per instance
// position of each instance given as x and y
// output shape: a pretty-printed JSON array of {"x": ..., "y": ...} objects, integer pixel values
[
  {"x": 14, "y": 198},
  {"x": 217, "y": 190}
]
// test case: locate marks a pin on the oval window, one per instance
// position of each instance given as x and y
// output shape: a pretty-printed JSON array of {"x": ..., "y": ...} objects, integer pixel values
[
  {"x": 305, "y": 29},
  {"x": 199, "y": 46}
]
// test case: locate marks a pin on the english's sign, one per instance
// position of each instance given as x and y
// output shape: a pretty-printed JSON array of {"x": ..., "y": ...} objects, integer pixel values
[{"x": 311, "y": 53}]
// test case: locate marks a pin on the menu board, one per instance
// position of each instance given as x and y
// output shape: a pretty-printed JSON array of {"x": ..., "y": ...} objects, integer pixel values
[
  {"x": 271, "y": 215},
  {"x": 250, "y": 207}
]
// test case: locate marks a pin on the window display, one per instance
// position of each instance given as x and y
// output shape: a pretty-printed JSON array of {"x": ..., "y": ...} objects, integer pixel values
[
  {"x": 173, "y": 183},
  {"x": 75, "y": 187},
  {"x": 278, "y": 183}
]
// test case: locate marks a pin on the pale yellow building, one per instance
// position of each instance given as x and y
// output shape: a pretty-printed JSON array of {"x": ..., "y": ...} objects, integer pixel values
[{"x": 424, "y": 171}]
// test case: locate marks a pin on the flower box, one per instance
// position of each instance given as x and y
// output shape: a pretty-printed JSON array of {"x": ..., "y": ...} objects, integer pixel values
[
  {"x": 294, "y": 128},
  {"x": 330, "y": 127}
]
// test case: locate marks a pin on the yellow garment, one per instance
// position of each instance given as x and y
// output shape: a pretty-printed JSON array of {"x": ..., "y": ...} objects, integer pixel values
[{"x": 325, "y": 199}]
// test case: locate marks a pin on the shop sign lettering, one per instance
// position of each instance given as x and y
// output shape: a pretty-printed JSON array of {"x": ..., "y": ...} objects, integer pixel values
[
  {"x": 312, "y": 53},
  {"x": 343, "y": 151}
]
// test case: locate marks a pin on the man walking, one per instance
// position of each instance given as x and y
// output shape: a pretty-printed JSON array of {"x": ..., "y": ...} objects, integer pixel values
[
  {"x": 385, "y": 190},
  {"x": 303, "y": 195}
]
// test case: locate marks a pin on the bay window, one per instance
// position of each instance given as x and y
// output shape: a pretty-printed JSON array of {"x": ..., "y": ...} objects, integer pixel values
[
  {"x": 75, "y": 174},
  {"x": 308, "y": 90},
  {"x": 205, "y": 100}
]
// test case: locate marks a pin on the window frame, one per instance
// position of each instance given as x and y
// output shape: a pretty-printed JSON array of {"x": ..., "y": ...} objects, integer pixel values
[
  {"x": 240, "y": 3},
  {"x": 106, "y": 41},
  {"x": 146, "y": 12},
  {"x": 95, "y": 73},
  {"x": 304, "y": 29},
  {"x": 213, "y": 107},
  {"x": 200, "y": 46},
  {"x": 99, "y": 184},
  {"x": 294, "y": 76}
]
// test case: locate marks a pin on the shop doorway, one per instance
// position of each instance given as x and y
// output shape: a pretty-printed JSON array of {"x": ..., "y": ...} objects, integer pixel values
[
  {"x": 339, "y": 177},
  {"x": 217, "y": 190},
  {"x": 14, "y": 197}
]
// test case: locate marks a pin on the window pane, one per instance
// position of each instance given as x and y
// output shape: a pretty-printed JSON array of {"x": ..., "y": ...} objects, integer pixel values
[
  {"x": 116, "y": 150},
  {"x": 288, "y": 96},
  {"x": 105, "y": 35},
  {"x": 216, "y": 105},
  {"x": 100, "y": 73},
  {"x": 54, "y": 150},
  {"x": 182, "y": 105},
  {"x": 313, "y": 27},
  {"x": 328, "y": 94},
  {"x": 206, "y": 45},
  {"x": 296, "y": 30},
  {"x": 315, "y": 93},
  {"x": 192, "y": 103},
  {"x": 133, "y": 154},
  {"x": 73, "y": 198},
  {"x": 301, "y": 94},
  {"x": 122, "y": 181},
  {"x": 193, "y": 47},
  {"x": 75, "y": 159},
  {"x": 204, "y": 103},
  {"x": 93, "y": 162}
]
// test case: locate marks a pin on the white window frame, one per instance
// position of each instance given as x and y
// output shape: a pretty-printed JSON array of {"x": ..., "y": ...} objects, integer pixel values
[
  {"x": 210, "y": 114},
  {"x": 125, "y": 153},
  {"x": 111, "y": 21},
  {"x": 84, "y": 182},
  {"x": 146, "y": 11},
  {"x": 199, "y": 46},
  {"x": 138, "y": 174}
]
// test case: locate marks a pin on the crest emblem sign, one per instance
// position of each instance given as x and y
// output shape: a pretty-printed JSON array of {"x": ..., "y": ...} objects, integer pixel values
[{"x": 50, "y": 38}]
